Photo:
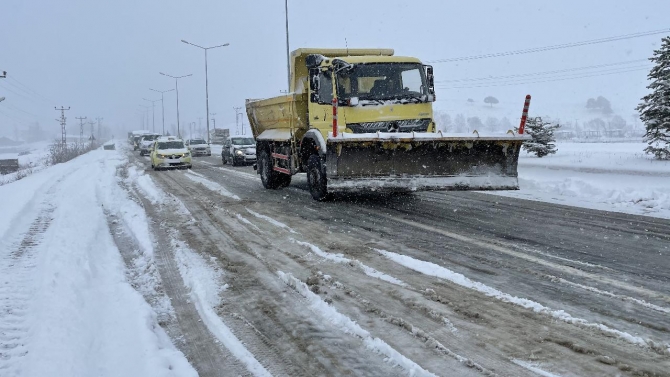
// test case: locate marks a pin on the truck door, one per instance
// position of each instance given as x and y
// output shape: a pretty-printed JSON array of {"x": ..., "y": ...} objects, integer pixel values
[{"x": 321, "y": 97}]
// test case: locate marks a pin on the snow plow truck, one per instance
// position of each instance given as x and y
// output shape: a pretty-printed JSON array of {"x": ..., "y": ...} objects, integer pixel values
[{"x": 361, "y": 120}]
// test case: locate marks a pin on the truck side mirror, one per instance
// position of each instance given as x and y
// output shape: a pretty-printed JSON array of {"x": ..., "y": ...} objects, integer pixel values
[
  {"x": 430, "y": 81},
  {"x": 314, "y": 84}
]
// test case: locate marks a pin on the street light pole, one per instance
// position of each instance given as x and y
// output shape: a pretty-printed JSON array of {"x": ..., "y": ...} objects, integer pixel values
[
  {"x": 162, "y": 104},
  {"x": 153, "y": 113},
  {"x": 206, "y": 80},
  {"x": 147, "y": 115},
  {"x": 288, "y": 55},
  {"x": 176, "y": 86}
]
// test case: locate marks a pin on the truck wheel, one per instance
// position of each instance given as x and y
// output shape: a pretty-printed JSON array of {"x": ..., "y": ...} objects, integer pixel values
[
  {"x": 316, "y": 177},
  {"x": 269, "y": 177}
]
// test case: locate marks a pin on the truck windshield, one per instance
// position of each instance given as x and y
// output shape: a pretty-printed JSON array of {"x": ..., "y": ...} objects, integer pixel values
[
  {"x": 243, "y": 141},
  {"x": 383, "y": 81}
]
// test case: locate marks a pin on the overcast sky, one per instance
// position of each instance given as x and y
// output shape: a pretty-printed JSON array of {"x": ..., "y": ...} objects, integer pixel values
[{"x": 101, "y": 57}]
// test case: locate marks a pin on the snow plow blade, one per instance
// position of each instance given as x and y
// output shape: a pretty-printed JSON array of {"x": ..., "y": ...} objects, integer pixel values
[{"x": 422, "y": 161}]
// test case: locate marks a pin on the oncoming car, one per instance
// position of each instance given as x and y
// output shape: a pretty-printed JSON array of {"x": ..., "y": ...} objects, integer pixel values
[
  {"x": 239, "y": 150},
  {"x": 146, "y": 142},
  {"x": 199, "y": 147},
  {"x": 170, "y": 152}
]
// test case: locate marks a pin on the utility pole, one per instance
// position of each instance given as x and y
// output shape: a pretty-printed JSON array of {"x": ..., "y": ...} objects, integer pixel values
[
  {"x": 237, "y": 121},
  {"x": 213, "y": 121},
  {"x": 91, "y": 123},
  {"x": 81, "y": 128},
  {"x": 200, "y": 128},
  {"x": 63, "y": 139},
  {"x": 99, "y": 131}
]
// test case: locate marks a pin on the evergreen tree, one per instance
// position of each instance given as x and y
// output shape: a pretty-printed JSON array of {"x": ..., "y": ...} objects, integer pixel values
[
  {"x": 543, "y": 138},
  {"x": 655, "y": 107}
]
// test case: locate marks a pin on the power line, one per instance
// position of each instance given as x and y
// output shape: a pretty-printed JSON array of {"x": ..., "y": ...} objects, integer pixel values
[
  {"x": 492, "y": 78},
  {"x": 12, "y": 78},
  {"x": 553, "y": 47},
  {"x": 543, "y": 81},
  {"x": 18, "y": 94}
]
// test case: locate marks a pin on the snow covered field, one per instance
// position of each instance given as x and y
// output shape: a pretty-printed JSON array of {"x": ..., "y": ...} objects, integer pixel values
[
  {"x": 66, "y": 306},
  {"x": 607, "y": 176},
  {"x": 31, "y": 156}
]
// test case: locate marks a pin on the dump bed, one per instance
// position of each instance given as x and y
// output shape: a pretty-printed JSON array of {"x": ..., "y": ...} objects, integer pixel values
[{"x": 275, "y": 118}]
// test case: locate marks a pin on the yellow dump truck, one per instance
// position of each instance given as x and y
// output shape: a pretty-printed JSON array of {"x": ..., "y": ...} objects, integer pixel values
[{"x": 362, "y": 120}]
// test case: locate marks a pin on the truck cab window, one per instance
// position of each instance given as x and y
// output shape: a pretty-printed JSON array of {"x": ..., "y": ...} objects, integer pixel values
[{"x": 326, "y": 88}]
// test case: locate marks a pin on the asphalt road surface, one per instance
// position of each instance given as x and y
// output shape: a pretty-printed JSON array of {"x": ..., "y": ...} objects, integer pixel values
[{"x": 545, "y": 289}]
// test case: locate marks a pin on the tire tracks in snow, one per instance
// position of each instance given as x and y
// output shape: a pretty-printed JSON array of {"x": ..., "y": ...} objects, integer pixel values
[
  {"x": 16, "y": 292},
  {"x": 195, "y": 340},
  {"x": 281, "y": 337}
]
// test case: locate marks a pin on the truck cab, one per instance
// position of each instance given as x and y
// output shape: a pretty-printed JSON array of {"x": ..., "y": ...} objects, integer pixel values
[{"x": 372, "y": 94}]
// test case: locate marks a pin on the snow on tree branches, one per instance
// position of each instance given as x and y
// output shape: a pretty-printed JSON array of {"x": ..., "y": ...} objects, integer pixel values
[
  {"x": 655, "y": 107},
  {"x": 543, "y": 138}
]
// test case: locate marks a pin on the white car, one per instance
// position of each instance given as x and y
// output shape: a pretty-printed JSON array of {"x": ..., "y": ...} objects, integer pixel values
[
  {"x": 146, "y": 142},
  {"x": 199, "y": 147},
  {"x": 239, "y": 150}
]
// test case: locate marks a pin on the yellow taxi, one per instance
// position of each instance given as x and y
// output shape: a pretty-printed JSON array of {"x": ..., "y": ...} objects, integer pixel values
[{"x": 170, "y": 152}]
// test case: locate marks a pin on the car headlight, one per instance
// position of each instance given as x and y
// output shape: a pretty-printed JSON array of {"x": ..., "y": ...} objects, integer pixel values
[
  {"x": 160, "y": 155},
  {"x": 239, "y": 153}
]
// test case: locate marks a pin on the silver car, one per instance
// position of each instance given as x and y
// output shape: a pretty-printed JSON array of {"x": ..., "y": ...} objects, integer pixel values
[
  {"x": 239, "y": 150},
  {"x": 199, "y": 147}
]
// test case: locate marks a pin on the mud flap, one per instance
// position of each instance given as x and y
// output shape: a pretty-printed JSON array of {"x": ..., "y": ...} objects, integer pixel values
[{"x": 417, "y": 165}]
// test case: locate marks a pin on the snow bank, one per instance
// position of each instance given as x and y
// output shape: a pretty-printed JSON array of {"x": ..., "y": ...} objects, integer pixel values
[
  {"x": 72, "y": 309},
  {"x": 605, "y": 176},
  {"x": 346, "y": 325},
  {"x": 432, "y": 269}
]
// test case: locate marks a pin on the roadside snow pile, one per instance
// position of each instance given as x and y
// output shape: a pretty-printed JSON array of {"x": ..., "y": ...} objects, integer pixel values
[
  {"x": 68, "y": 309},
  {"x": 32, "y": 158},
  {"x": 605, "y": 176},
  {"x": 346, "y": 325},
  {"x": 432, "y": 269}
]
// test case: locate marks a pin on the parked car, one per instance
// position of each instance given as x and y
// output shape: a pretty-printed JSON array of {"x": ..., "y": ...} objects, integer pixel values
[
  {"x": 199, "y": 147},
  {"x": 239, "y": 150},
  {"x": 146, "y": 142},
  {"x": 170, "y": 152}
]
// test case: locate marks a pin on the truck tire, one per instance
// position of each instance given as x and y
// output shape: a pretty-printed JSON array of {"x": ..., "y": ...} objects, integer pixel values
[
  {"x": 270, "y": 178},
  {"x": 316, "y": 177}
]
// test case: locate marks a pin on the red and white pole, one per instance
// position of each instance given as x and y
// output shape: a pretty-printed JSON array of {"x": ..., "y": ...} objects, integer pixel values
[
  {"x": 525, "y": 114},
  {"x": 334, "y": 117}
]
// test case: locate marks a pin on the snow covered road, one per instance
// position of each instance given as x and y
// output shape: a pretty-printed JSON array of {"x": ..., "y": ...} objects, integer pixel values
[
  {"x": 544, "y": 283},
  {"x": 239, "y": 280}
]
